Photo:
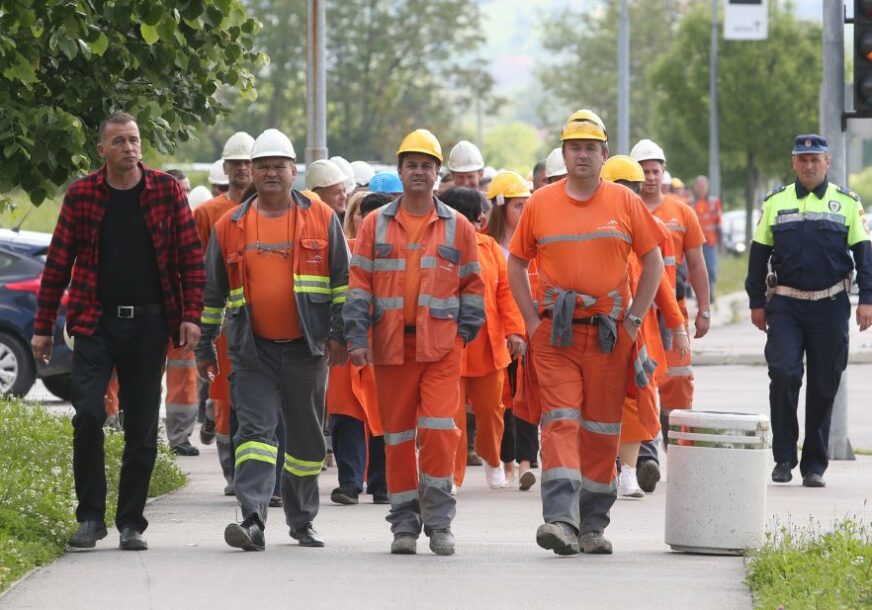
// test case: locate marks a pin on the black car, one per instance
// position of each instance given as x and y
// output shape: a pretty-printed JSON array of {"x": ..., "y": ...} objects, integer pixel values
[{"x": 22, "y": 258}]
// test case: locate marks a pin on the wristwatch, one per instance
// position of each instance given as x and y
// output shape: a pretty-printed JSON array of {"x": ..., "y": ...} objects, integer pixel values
[
  {"x": 706, "y": 315},
  {"x": 636, "y": 321}
]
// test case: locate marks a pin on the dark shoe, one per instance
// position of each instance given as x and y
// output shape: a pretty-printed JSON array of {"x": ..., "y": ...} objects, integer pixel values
[
  {"x": 442, "y": 541},
  {"x": 648, "y": 475},
  {"x": 813, "y": 480},
  {"x": 380, "y": 496},
  {"x": 527, "y": 480},
  {"x": 247, "y": 535},
  {"x": 229, "y": 491},
  {"x": 781, "y": 473},
  {"x": 472, "y": 459},
  {"x": 207, "y": 432},
  {"x": 404, "y": 544},
  {"x": 558, "y": 537},
  {"x": 87, "y": 535},
  {"x": 185, "y": 448},
  {"x": 307, "y": 536},
  {"x": 595, "y": 543},
  {"x": 276, "y": 501},
  {"x": 131, "y": 540},
  {"x": 346, "y": 493}
]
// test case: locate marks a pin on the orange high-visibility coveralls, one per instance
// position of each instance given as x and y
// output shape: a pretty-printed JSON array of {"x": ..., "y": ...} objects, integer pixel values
[
  {"x": 485, "y": 359},
  {"x": 182, "y": 396},
  {"x": 583, "y": 249},
  {"x": 416, "y": 282},
  {"x": 676, "y": 387}
]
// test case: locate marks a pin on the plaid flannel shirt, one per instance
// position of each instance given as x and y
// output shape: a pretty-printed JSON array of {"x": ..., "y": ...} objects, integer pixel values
[{"x": 74, "y": 250}]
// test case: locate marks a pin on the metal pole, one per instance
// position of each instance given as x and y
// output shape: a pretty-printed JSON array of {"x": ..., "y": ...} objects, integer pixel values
[
  {"x": 832, "y": 106},
  {"x": 316, "y": 77},
  {"x": 624, "y": 80},
  {"x": 714, "y": 140}
]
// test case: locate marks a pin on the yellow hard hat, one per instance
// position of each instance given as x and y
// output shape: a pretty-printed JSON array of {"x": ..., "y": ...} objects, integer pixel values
[
  {"x": 677, "y": 183},
  {"x": 622, "y": 167},
  {"x": 421, "y": 141},
  {"x": 507, "y": 185},
  {"x": 584, "y": 125}
]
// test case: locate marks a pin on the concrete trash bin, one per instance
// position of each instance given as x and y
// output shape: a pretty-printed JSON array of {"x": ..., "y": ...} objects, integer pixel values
[{"x": 716, "y": 482}]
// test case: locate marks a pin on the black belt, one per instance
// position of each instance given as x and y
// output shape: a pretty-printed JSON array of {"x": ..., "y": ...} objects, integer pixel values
[
  {"x": 592, "y": 321},
  {"x": 409, "y": 330},
  {"x": 128, "y": 312},
  {"x": 279, "y": 341}
]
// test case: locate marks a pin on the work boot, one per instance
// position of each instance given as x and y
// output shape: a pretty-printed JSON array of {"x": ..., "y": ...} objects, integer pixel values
[
  {"x": 247, "y": 535},
  {"x": 346, "y": 494},
  {"x": 442, "y": 541},
  {"x": 87, "y": 535},
  {"x": 207, "y": 432},
  {"x": 131, "y": 540},
  {"x": 527, "y": 480},
  {"x": 781, "y": 473},
  {"x": 404, "y": 544},
  {"x": 559, "y": 537},
  {"x": 380, "y": 496},
  {"x": 648, "y": 475},
  {"x": 276, "y": 501},
  {"x": 185, "y": 448},
  {"x": 595, "y": 543},
  {"x": 813, "y": 480},
  {"x": 307, "y": 536},
  {"x": 472, "y": 459},
  {"x": 495, "y": 477},
  {"x": 628, "y": 487},
  {"x": 229, "y": 491}
]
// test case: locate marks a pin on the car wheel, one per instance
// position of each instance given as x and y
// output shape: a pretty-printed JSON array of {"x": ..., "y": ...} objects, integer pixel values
[
  {"x": 59, "y": 385},
  {"x": 17, "y": 368}
]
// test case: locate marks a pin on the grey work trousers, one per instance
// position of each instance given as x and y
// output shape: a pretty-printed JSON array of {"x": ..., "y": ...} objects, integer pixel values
[{"x": 292, "y": 381}]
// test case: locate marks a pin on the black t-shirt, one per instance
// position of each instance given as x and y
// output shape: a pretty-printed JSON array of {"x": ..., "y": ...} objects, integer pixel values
[{"x": 127, "y": 273}]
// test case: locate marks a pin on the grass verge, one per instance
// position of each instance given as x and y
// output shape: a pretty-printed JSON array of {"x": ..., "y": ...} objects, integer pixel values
[
  {"x": 810, "y": 568},
  {"x": 731, "y": 273},
  {"x": 37, "y": 496}
]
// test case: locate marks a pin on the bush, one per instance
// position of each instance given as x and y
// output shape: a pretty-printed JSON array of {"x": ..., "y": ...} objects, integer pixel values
[
  {"x": 37, "y": 494},
  {"x": 809, "y": 569}
]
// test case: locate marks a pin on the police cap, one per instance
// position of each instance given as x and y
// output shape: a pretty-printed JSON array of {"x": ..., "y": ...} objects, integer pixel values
[{"x": 809, "y": 143}]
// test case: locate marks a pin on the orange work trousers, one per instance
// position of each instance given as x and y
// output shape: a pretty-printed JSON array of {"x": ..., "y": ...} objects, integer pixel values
[
  {"x": 417, "y": 401},
  {"x": 676, "y": 386},
  {"x": 110, "y": 399},
  {"x": 219, "y": 390},
  {"x": 582, "y": 391},
  {"x": 484, "y": 396}
]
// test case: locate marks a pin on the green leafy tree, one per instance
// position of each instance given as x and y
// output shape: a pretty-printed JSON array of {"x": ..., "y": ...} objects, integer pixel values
[
  {"x": 582, "y": 56},
  {"x": 514, "y": 146},
  {"x": 66, "y": 64},
  {"x": 767, "y": 93}
]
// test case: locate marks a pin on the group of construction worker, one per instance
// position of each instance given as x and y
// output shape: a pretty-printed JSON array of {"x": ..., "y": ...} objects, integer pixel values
[{"x": 408, "y": 305}]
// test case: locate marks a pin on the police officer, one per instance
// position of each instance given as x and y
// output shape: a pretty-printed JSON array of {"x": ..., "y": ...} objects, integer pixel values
[{"x": 806, "y": 235}]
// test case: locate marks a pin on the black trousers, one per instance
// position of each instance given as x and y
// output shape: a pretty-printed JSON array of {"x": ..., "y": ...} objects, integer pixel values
[
  {"x": 354, "y": 462},
  {"x": 137, "y": 349},
  {"x": 819, "y": 331}
]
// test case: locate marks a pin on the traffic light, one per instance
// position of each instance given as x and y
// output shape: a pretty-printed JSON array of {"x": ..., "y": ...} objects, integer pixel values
[{"x": 863, "y": 57}]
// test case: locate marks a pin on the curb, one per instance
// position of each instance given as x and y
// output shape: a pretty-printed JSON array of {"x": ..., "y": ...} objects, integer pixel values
[{"x": 758, "y": 359}]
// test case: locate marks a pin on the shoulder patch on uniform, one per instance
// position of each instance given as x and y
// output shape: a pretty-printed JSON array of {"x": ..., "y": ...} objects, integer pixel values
[
  {"x": 848, "y": 192},
  {"x": 775, "y": 192}
]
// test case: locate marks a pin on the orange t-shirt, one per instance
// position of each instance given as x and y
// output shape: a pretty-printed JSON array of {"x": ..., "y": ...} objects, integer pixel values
[
  {"x": 708, "y": 211},
  {"x": 414, "y": 226},
  {"x": 206, "y": 215},
  {"x": 584, "y": 245},
  {"x": 682, "y": 222},
  {"x": 269, "y": 275}
]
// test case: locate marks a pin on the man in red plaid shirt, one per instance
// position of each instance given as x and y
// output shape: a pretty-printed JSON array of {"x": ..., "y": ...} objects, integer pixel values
[{"x": 128, "y": 238}]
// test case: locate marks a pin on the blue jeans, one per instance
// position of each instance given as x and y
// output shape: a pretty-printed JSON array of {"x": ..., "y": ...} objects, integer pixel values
[{"x": 710, "y": 254}]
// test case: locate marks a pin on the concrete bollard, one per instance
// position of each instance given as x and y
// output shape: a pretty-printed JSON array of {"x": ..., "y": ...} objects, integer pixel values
[{"x": 716, "y": 487}]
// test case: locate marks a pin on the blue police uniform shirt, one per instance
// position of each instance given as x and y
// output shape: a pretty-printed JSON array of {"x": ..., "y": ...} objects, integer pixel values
[{"x": 810, "y": 233}]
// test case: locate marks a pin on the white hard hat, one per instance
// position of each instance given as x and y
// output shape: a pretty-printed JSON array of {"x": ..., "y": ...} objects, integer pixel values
[
  {"x": 345, "y": 166},
  {"x": 488, "y": 173},
  {"x": 554, "y": 165},
  {"x": 217, "y": 175},
  {"x": 238, "y": 147},
  {"x": 667, "y": 177},
  {"x": 363, "y": 172},
  {"x": 465, "y": 157},
  {"x": 646, "y": 150},
  {"x": 198, "y": 195},
  {"x": 323, "y": 173},
  {"x": 273, "y": 143}
]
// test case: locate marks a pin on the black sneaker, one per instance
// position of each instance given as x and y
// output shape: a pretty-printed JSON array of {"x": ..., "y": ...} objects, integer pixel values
[
  {"x": 185, "y": 448},
  {"x": 781, "y": 473},
  {"x": 346, "y": 493},
  {"x": 813, "y": 480},
  {"x": 307, "y": 535},
  {"x": 380, "y": 496},
  {"x": 207, "y": 432},
  {"x": 247, "y": 535}
]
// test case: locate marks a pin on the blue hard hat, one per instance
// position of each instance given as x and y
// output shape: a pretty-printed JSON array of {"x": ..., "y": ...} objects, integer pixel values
[
  {"x": 386, "y": 182},
  {"x": 809, "y": 143}
]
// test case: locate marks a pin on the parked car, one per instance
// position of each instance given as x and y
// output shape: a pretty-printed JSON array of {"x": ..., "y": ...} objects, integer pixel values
[
  {"x": 733, "y": 230},
  {"x": 22, "y": 259}
]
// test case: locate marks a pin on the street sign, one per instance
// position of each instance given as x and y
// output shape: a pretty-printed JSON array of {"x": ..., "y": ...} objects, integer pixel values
[{"x": 746, "y": 20}]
